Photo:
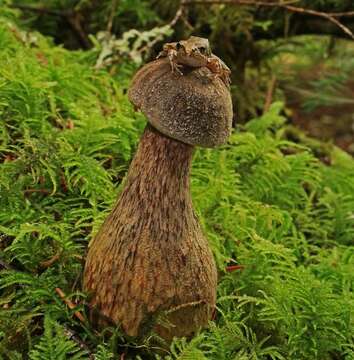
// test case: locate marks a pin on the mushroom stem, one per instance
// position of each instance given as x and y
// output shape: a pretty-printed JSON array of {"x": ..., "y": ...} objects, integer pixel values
[
  {"x": 159, "y": 173},
  {"x": 150, "y": 260}
]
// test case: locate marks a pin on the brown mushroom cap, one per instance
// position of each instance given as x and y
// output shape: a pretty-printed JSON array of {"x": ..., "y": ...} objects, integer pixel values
[{"x": 194, "y": 108}]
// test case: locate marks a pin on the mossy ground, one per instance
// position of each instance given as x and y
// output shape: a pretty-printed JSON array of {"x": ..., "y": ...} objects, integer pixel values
[{"x": 281, "y": 208}]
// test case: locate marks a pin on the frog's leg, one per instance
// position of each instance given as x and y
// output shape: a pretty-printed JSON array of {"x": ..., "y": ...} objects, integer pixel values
[
  {"x": 172, "y": 56},
  {"x": 161, "y": 54},
  {"x": 216, "y": 66}
]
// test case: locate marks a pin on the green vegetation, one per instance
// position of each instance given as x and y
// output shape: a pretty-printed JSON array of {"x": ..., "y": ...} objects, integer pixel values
[{"x": 272, "y": 200}]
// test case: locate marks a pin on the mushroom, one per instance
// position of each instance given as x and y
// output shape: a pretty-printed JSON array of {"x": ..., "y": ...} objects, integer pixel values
[{"x": 149, "y": 267}]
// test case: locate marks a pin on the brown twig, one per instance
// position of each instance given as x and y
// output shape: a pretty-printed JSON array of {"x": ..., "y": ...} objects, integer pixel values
[
  {"x": 182, "y": 306},
  {"x": 284, "y": 5},
  {"x": 342, "y": 14},
  {"x": 47, "y": 263},
  {"x": 5, "y": 265},
  {"x": 74, "y": 20},
  {"x": 239, "y": 2},
  {"x": 75, "y": 337},
  {"x": 111, "y": 15},
  {"x": 179, "y": 13},
  {"x": 72, "y": 17},
  {"x": 41, "y": 10},
  {"x": 327, "y": 16},
  {"x": 42, "y": 191},
  {"x": 234, "y": 267},
  {"x": 70, "y": 304},
  {"x": 270, "y": 92},
  {"x": 63, "y": 183}
]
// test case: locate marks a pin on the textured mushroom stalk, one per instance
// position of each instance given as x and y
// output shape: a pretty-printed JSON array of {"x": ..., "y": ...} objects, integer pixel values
[
  {"x": 149, "y": 265},
  {"x": 150, "y": 259}
]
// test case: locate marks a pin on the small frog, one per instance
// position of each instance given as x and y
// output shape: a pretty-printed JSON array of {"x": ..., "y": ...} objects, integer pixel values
[{"x": 195, "y": 52}]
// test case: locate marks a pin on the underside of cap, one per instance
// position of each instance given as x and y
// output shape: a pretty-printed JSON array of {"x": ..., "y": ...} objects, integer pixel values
[{"x": 194, "y": 108}]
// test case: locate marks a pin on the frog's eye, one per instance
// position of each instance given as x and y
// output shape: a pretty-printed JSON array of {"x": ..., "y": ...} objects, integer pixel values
[
  {"x": 178, "y": 46},
  {"x": 205, "y": 50}
]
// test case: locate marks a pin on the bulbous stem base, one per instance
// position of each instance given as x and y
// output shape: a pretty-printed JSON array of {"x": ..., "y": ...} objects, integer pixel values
[{"x": 149, "y": 262}]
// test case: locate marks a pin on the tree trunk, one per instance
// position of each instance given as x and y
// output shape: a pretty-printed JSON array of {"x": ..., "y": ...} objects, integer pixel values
[{"x": 150, "y": 261}]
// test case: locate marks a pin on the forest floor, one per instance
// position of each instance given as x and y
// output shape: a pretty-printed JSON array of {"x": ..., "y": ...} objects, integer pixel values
[{"x": 333, "y": 123}]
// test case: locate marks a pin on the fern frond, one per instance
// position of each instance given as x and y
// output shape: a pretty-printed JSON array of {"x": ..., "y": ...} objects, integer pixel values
[{"x": 54, "y": 345}]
